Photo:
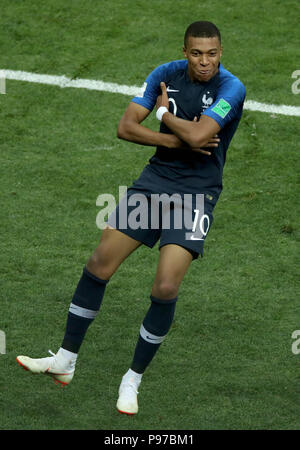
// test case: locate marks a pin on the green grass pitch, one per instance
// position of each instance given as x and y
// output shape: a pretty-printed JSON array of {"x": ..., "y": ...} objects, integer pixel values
[{"x": 227, "y": 362}]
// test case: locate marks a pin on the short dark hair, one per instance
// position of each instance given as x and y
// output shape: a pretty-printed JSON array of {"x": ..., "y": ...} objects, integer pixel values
[{"x": 202, "y": 29}]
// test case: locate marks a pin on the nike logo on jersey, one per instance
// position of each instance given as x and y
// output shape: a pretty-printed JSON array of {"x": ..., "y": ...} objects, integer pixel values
[{"x": 172, "y": 90}]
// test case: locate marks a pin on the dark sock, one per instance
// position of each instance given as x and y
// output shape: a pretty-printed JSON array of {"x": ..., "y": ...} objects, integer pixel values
[
  {"x": 83, "y": 309},
  {"x": 154, "y": 329}
]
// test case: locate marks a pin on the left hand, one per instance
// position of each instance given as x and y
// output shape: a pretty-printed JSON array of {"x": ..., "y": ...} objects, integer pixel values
[{"x": 213, "y": 142}]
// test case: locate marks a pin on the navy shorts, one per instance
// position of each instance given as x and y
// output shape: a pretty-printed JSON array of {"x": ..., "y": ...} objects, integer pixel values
[{"x": 181, "y": 219}]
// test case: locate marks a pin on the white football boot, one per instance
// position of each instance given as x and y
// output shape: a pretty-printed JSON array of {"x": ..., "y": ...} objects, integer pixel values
[
  {"x": 58, "y": 366},
  {"x": 128, "y": 391}
]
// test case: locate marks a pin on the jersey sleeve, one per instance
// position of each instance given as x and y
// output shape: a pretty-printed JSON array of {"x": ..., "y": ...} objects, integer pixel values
[
  {"x": 151, "y": 88},
  {"x": 229, "y": 102}
]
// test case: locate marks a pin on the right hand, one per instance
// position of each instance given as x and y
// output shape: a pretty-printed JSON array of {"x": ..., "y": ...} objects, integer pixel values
[{"x": 163, "y": 99}]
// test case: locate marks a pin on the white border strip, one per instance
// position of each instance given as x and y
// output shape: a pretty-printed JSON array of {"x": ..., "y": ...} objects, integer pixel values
[{"x": 97, "y": 85}]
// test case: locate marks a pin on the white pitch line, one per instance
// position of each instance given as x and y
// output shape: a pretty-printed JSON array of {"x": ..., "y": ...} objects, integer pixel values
[
  {"x": 274, "y": 109},
  {"x": 98, "y": 85},
  {"x": 65, "y": 82}
]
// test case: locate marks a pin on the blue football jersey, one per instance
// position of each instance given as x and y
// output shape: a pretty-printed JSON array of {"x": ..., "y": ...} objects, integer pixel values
[{"x": 184, "y": 170}]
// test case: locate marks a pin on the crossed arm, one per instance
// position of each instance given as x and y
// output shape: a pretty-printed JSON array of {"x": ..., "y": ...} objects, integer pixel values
[{"x": 195, "y": 135}]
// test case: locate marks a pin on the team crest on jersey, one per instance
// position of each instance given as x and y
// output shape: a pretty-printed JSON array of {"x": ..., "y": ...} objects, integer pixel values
[{"x": 207, "y": 101}]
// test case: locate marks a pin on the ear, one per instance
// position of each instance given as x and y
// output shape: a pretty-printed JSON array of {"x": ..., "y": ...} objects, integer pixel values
[
  {"x": 184, "y": 52},
  {"x": 221, "y": 51}
]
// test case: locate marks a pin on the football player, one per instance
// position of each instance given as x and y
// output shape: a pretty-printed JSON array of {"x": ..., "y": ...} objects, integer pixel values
[{"x": 199, "y": 105}]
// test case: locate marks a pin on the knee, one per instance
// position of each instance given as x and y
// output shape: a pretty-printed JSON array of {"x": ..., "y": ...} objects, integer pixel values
[
  {"x": 165, "y": 289},
  {"x": 100, "y": 263}
]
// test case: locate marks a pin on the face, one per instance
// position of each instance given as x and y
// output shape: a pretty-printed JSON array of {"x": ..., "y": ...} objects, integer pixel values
[{"x": 203, "y": 55}]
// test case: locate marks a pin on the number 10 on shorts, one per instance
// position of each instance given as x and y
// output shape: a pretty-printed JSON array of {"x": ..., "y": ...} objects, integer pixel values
[{"x": 200, "y": 227}]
